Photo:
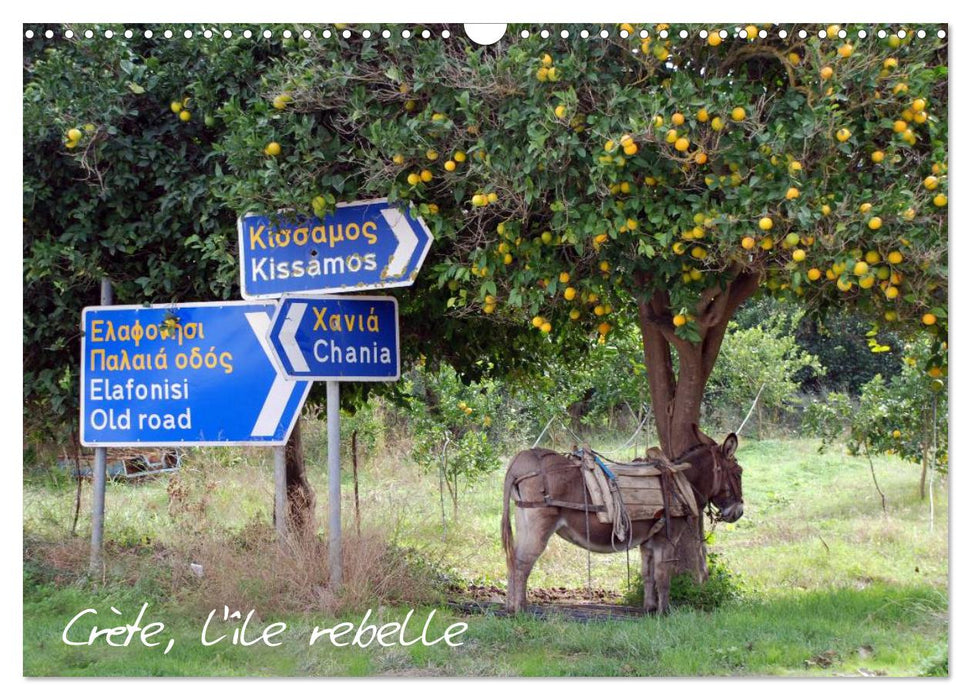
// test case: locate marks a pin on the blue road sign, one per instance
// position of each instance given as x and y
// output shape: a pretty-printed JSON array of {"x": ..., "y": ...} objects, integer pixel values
[
  {"x": 362, "y": 245},
  {"x": 185, "y": 374},
  {"x": 337, "y": 338}
]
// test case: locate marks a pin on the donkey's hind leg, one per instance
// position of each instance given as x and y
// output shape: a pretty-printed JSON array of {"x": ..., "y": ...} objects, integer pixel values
[{"x": 534, "y": 527}]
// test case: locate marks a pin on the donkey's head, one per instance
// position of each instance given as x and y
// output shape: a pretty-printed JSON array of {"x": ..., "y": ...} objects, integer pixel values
[{"x": 720, "y": 477}]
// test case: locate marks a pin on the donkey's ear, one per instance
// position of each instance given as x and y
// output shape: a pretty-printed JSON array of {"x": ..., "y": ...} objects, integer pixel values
[{"x": 730, "y": 445}]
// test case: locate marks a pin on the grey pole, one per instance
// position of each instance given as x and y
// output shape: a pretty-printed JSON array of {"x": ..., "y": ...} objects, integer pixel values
[
  {"x": 280, "y": 491},
  {"x": 100, "y": 476},
  {"x": 334, "y": 481}
]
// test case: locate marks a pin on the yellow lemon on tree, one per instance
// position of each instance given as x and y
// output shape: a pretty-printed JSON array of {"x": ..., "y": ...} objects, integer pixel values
[
  {"x": 826, "y": 72},
  {"x": 185, "y": 115},
  {"x": 459, "y": 157},
  {"x": 398, "y": 159},
  {"x": 792, "y": 193},
  {"x": 414, "y": 179},
  {"x": 877, "y": 156},
  {"x": 450, "y": 165},
  {"x": 702, "y": 115},
  {"x": 892, "y": 292},
  {"x": 875, "y": 223},
  {"x": 426, "y": 175},
  {"x": 714, "y": 39},
  {"x": 272, "y": 149},
  {"x": 738, "y": 114},
  {"x": 748, "y": 243},
  {"x": 569, "y": 293},
  {"x": 843, "y": 134},
  {"x": 798, "y": 255},
  {"x": 940, "y": 200},
  {"x": 930, "y": 182},
  {"x": 560, "y": 111},
  {"x": 677, "y": 119},
  {"x": 74, "y": 134},
  {"x": 928, "y": 319},
  {"x": 919, "y": 104},
  {"x": 860, "y": 268},
  {"x": 895, "y": 257},
  {"x": 717, "y": 124},
  {"x": 765, "y": 223},
  {"x": 845, "y": 51},
  {"x": 814, "y": 274},
  {"x": 679, "y": 320},
  {"x": 682, "y": 144}
]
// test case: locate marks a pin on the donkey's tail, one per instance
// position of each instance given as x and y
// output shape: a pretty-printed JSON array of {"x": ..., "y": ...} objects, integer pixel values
[{"x": 507, "y": 539}]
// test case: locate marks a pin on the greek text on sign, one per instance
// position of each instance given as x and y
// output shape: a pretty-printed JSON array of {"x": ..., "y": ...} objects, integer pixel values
[
  {"x": 337, "y": 338},
  {"x": 186, "y": 374},
  {"x": 362, "y": 245}
]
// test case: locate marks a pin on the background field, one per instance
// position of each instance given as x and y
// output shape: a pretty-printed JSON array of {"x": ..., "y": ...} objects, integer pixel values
[{"x": 823, "y": 582}]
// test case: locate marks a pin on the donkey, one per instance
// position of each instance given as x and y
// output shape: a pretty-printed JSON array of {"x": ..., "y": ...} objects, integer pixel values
[{"x": 715, "y": 478}]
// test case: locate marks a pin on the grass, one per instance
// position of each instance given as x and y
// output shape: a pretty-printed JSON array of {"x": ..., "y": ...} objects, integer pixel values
[{"x": 832, "y": 585}]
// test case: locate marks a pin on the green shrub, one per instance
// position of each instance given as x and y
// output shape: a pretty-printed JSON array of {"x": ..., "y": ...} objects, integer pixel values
[{"x": 723, "y": 586}]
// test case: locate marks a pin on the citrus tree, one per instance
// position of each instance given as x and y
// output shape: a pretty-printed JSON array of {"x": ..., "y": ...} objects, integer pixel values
[
  {"x": 124, "y": 141},
  {"x": 577, "y": 185}
]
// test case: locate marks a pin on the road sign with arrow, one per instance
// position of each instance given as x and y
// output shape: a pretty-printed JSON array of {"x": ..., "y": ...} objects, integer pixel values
[
  {"x": 184, "y": 374},
  {"x": 363, "y": 245},
  {"x": 337, "y": 338}
]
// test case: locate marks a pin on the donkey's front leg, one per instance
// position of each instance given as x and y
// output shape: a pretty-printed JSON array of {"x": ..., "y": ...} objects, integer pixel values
[{"x": 647, "y": 574}]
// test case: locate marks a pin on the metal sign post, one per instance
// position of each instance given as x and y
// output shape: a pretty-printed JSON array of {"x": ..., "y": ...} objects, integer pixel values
[
  {"x": 100, "y": 477},
  {"x": 334, "y": 339},
  {"x": 280, "y": 491},
  {"x": 334, "y": 482}
]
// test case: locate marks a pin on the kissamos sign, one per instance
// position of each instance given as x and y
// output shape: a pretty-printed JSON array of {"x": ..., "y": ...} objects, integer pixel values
[{"x": 362, "y": 245}]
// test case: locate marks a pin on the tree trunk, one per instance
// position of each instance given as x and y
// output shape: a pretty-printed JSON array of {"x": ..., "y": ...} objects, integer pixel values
[
  {"x": 676, "y": 397},
  {"x": 300, "y": 496}
]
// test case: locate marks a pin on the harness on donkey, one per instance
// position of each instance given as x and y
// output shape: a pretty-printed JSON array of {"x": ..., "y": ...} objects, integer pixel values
[{"x": 650, "y": 489}]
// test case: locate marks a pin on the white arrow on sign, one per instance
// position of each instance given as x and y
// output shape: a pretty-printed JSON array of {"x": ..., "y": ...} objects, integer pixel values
[
  {"x": 288, "y": 337},
  {"x": 407, "y": 240},
  {"x": 281, "y": 389}
]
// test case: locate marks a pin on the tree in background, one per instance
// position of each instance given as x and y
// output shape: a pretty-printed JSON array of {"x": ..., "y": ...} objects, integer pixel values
[
  {"x": 577, "y": 185},
  {"x": 760, "y": 363}
]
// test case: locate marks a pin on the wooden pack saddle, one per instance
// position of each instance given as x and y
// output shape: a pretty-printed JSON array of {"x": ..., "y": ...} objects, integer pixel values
[{"x": 647, "y": 490}]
